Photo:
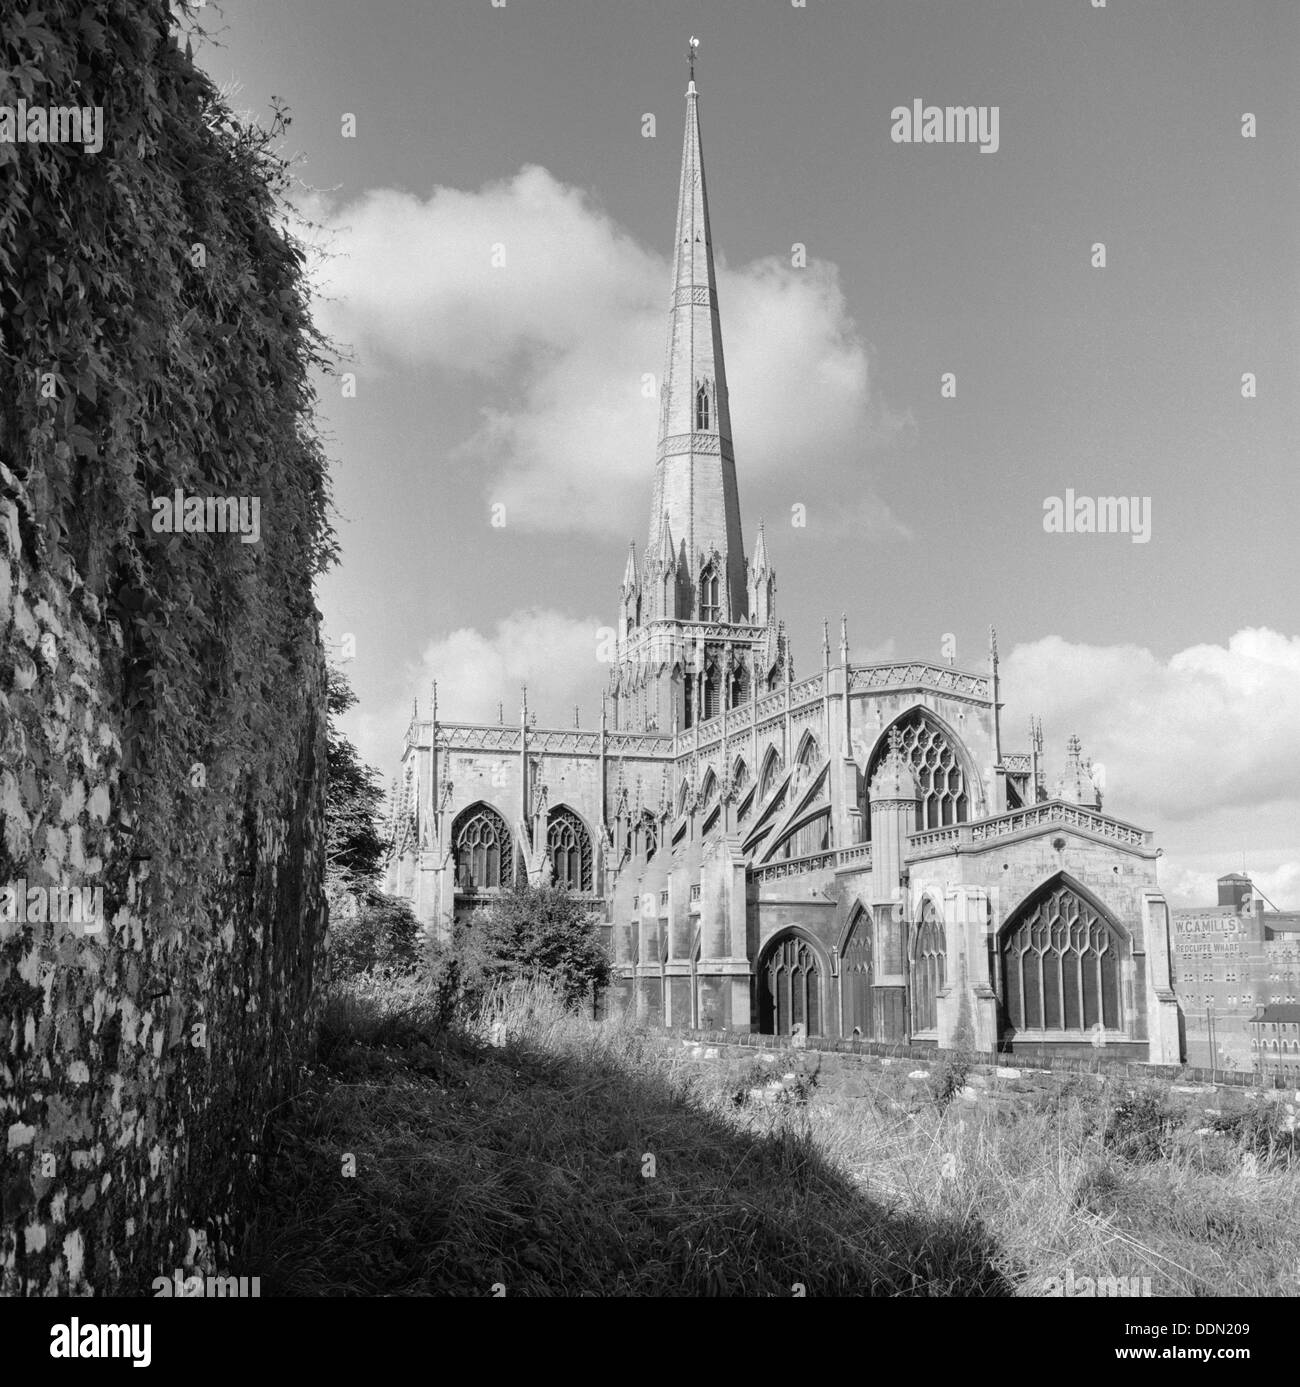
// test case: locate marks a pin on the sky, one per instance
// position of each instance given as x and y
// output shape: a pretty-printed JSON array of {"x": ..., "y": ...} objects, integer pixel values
[{"x": 521, "y": 133}]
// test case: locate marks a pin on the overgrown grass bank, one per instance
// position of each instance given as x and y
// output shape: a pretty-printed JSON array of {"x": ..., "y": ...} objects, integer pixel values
[{"x": 530, "y": 1149}]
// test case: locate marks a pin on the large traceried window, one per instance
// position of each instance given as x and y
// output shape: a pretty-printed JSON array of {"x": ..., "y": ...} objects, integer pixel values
[
  {"x": 929, "y": 962},
  {"x": 1061, "y": 964},
  {"x": 702, "y": 409},
  {"x": 568, "y": 845},
  {"x": 945, "y": 796},
  {"x": 484, "y": 856}
]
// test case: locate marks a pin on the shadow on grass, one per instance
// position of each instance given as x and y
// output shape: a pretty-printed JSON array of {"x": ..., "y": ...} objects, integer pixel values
[{"x": 580, "y": 1165}]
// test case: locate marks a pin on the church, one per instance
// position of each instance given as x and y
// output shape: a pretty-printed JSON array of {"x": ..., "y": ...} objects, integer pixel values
[{"x": 853, "y": 852}]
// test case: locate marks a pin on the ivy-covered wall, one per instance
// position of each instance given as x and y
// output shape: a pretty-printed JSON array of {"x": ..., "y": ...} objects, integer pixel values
[{"x": 162, "y": 713}]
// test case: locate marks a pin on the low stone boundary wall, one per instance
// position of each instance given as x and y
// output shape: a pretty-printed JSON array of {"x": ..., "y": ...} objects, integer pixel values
[{"x": 1020, "y": 1059}]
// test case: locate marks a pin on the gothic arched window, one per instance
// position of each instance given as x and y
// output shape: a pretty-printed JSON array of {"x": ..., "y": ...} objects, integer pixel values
[
  {"x": 701, "y": 409},
  {"x": 945, "y": 798},
  {"x": 484, "y": 859},
  {"x": 650, "y": 832},
  {"x": 709, "y": 791},
  {"x": 568, "y": 845},
  {"x": 710, "y": 607},
  {"x": 928, "y": 967},
  {"x": 771, "y": 769},
  {"x": 712, "y": 693},
  {"x": 1061, "y": 965}
]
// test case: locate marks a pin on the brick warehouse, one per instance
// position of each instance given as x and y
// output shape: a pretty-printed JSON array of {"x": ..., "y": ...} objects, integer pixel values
[{"x": 853, "y": 852}]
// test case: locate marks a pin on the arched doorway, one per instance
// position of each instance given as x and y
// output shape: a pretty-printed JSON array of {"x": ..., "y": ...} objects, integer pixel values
[
  {"x": 856, "y": 971},
  {"x": 791, "y": 980}
]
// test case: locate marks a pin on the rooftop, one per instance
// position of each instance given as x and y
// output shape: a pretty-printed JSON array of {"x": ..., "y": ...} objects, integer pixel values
[{"x": 1276, "y": 1012}]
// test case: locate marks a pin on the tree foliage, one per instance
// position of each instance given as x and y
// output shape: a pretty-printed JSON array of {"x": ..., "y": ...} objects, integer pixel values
[
  {"x": 356, "y": 846},
  {"x": 371, "y": 932},
  {"x": 532, "y": 930}
]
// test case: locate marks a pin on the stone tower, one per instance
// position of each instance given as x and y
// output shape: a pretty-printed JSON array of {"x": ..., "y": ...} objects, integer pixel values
[{"x": 697, "y": 624}]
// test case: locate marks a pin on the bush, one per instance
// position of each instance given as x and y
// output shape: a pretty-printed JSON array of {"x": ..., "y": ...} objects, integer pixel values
[
  {"x": 1260, "y": 1131},
  {"x": 950, "y": 1075},
  {"x": 529, "y": 932},
  {"x": 1141, "y": 1128},
  {"x": 371, "y": 932}
]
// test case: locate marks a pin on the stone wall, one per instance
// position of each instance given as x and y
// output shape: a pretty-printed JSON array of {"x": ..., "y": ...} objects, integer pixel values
[{"x": 162, "y": 695}]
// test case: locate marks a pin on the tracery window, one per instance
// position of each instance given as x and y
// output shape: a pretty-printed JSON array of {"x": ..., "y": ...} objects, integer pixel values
[
  {"x": 771, "y": 769},
  {"x": 1061, "y": 966},
  {"x": 710, "y": 608},
  {"x": 484, "y": 859},
  {"x": 650, "y": 830},
  {"x": 701, "y": 409},
  {"x": 945, "y": 797},
  {"x": 928, "y": 967},
  {"x": 568, "y": 845}
]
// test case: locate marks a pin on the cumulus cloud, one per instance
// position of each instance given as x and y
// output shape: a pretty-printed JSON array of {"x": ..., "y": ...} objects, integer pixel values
[
  {"x": 560, "y": 335},
  {"x": 1211, "y": 726},
  {"x": 1202, "y": 746},
  {"x": 555, "y": 655}
]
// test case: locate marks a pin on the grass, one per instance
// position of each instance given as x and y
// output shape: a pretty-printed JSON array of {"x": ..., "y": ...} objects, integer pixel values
[{"x": 528, "y": 1151}]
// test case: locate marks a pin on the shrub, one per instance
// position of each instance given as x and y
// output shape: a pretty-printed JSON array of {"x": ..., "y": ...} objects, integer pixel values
[
  {"x": 1260, "y": 1131},
  {"x": 1141, "y": 1127},
  {"x": 950, "y": 1075},
  {"x": 371, "y": 932},
  {"x": 529, "y": 932}
]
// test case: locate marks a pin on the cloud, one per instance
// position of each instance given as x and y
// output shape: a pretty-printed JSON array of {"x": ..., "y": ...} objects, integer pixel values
[
  {"x": 1202, "y": 747},
  {"x": 560, "y": 336},
  {"x": 1208, "y": 728},
  {"x": 555, "y": 655}
]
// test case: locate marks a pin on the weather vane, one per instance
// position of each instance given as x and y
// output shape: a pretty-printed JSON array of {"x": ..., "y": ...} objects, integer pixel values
[{"x": 690, "y": 54}]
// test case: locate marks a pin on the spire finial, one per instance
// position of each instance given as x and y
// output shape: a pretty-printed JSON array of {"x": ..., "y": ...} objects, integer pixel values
[{"x": 692, "y": 50}]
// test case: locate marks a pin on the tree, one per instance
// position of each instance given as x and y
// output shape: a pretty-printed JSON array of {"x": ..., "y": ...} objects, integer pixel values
[
  {"x": 534, "y": 930},
  {"x": 355, "y": 847},
  {"x": 369, "y": 930}
]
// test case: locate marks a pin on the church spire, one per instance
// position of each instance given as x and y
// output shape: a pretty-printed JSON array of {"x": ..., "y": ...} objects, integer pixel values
[{"x": 695, "y": 470}]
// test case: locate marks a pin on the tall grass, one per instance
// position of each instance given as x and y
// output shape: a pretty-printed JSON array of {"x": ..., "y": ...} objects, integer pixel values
[{"x": 523, "y": 1149}]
